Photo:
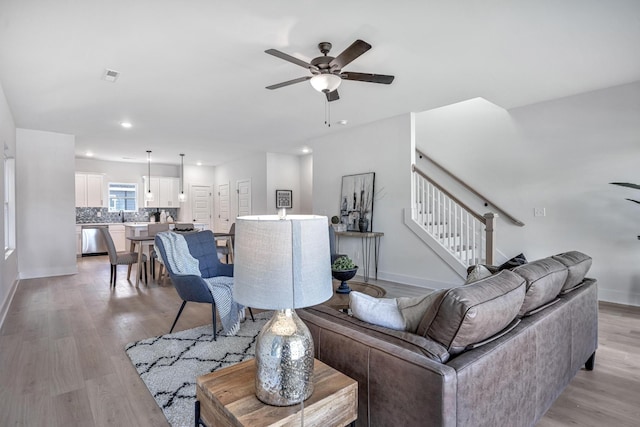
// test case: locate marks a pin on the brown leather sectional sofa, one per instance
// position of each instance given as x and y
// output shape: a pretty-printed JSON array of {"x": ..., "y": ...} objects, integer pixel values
[{"x": 455, "y": 369}]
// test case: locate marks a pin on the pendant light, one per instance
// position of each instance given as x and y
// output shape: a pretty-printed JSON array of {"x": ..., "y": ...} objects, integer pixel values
[
  {"x": 149, "y": 195},
  {"x": 182, "y": 197}
]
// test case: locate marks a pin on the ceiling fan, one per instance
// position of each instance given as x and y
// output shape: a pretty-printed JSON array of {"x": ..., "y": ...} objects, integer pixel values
[{"x": 326, "y": 71}]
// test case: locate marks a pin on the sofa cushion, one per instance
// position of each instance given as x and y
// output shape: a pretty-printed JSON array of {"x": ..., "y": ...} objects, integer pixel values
[
  {"x": 545, "y": 277},
  {"x": 578, "y": 264},
  {"x": 472, "y": 313},
  {"x": 402, "y": 314}
]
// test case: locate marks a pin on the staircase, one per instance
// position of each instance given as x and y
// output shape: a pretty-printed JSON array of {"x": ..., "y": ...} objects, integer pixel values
[
  {"x": 460, "y": 236},
  {"x": 457, "y": 233}
]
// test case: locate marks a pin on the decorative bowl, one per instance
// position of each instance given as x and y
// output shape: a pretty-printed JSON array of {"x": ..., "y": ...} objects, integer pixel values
[{"x": 343, "y": 276}]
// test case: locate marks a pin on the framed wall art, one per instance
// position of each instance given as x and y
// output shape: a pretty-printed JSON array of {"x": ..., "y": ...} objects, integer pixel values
[
  {"x": 356, "y": 201},
  {"x": 284, "y": 199}
]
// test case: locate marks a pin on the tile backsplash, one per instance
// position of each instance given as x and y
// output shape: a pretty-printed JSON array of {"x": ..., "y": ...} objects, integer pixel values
[{"x": 90, "y": 215}]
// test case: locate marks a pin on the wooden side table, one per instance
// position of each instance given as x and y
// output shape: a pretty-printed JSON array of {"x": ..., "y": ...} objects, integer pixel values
[{"x": 227, "y": 398}]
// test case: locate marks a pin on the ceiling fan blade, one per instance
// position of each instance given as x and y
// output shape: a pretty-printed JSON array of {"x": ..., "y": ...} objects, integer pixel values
[
  {"x": 289, "y": 82},
  {"x": 356, "y": 49},
  {"x": 332, "y": 96},
  {"x": 291, "y": 59},
  {"x": 366, "y": 77}
]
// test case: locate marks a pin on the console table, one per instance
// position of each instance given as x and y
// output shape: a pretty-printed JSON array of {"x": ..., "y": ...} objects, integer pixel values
[
  {"x": 227, "y": 398},
  {"x": 368, "y": 239}
]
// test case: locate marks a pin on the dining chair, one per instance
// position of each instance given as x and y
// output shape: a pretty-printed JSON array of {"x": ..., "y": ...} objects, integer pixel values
[
  {"x": 121, "y": 258},
  {"x": 227, "y": 249},
  {"x": 152, "y": 230}
]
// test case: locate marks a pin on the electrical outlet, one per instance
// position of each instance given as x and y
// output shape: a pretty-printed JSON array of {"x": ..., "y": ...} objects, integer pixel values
[
  {"x": 539, "y": 212},
  {"x": 99, "y": 214}
]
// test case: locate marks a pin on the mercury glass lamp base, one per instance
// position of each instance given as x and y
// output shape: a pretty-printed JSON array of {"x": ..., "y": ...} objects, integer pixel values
[{"x": 284, "y": 360}]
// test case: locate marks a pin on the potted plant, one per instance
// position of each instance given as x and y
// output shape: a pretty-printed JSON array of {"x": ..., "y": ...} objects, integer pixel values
[{"x": 343, "y": 269}]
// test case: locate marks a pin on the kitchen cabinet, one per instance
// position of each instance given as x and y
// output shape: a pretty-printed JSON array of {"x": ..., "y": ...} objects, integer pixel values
[
  {"x": 89, "y": 190},
  {"x": 78, "y": 240},
  {"x": 165, "y": 192},
  {"x": 118, "y": 236}
]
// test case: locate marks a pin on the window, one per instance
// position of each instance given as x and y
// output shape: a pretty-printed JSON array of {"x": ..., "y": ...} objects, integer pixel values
[
  {"x": 123, "y": 197},
  {"x": 9, "y": 204}
]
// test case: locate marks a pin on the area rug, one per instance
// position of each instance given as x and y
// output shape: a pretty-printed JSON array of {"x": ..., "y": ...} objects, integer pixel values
[{"x": 169, "y": 364}]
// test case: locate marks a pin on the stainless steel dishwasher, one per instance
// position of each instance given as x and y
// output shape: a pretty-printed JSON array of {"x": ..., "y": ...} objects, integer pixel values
[{"x": 92, "y": 241}]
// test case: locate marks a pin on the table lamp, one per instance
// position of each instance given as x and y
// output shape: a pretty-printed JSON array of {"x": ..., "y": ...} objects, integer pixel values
[{"x": 281, "y": 265}]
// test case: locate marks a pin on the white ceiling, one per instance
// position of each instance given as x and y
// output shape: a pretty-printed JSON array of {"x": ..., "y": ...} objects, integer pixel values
[{"x": 193, "y": 72}]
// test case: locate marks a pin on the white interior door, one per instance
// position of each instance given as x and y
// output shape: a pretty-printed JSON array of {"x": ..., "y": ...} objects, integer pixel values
[
  {"x": 223, "y": 208},
  {"x": 201, "y": 204},
  {"x": 243, "y": 188}
]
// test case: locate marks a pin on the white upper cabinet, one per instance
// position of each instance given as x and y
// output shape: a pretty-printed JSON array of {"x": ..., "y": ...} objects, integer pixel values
[
  {"x": 165, "y": 192},
  {"x": 89, "y": 190}
]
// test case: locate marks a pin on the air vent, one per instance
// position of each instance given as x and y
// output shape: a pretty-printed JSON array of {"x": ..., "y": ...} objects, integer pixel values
[{"x": 110, "y": 75}]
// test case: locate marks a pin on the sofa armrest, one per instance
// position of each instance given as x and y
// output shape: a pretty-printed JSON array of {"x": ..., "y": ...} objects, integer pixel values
[{"x": 397, "y": 384}]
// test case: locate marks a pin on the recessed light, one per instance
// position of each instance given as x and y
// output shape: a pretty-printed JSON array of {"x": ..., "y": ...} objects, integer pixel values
[
  {"x": 199, "y": 163},
  {"x": 342, "y": 122},
  {"x": 126, "y": 125},
  {"x": 89, "y": 154},
  {"x": 305, "y": 150}
]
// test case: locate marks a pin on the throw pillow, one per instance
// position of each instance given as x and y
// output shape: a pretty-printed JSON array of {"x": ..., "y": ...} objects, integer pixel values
[
  {"x": 378, "y": 311},
  {"x": 514, "y": 262},
  {"x": 479, "y": 272},
  {"x": 402, "y": 314}
]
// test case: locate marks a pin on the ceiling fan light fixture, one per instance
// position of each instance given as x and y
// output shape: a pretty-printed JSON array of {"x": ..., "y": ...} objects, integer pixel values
[{"x": 325, "y": 82}]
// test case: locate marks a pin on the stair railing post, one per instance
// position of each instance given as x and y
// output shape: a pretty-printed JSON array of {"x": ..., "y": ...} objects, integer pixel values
[{"x": 490, "y": 224}]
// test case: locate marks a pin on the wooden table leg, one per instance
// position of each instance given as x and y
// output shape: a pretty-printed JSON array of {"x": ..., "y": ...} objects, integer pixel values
[
  {"x": 132, "y": 248},
  {"x": 140, "y": 245}
]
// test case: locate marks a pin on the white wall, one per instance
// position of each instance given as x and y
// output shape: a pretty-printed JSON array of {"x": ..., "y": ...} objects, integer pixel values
[
  {"x": 382, "y": 147},
  {"x": 8, "y": 262},
  {"x": 306, "y": 184},
  {"x": 45, "y": 193},
  {"x": 558, "y": 155},
  {"x": 283, "y": 173},
  {"x": 253, "y": 167}
]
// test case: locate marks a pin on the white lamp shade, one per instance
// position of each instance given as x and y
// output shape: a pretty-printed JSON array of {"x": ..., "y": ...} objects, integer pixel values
[
  {"x": 280, "y": 264},
  {"x": 325, "y": 82}
]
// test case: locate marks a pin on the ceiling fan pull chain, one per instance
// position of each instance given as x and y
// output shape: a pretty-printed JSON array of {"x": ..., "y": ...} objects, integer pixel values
[{"x": 327, "y": 113}]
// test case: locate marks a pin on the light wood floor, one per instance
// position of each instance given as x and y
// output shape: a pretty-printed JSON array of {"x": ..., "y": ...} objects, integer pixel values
[{"x": 62, "y": 360}]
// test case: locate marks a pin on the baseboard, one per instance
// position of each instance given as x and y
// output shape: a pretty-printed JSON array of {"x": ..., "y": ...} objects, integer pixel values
[
  {"x": 618, "y": 297},
  {"x": 7, "y": 303},
  {"x": 49, "y": 272},
  {"x": 416, "y": 281}
]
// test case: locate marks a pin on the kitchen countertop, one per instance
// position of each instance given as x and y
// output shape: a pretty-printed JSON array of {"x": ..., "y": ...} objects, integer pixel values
[{"x": 130, "y": 223}]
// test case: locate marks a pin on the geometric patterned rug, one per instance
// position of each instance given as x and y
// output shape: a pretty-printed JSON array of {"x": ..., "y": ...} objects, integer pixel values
[{"x": 169, "y": 364}]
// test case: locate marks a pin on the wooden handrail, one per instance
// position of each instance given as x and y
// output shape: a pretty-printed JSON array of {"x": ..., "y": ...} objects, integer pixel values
[
  {"x": 476, "y": 215},
  {"x": 468, "y": 187}
]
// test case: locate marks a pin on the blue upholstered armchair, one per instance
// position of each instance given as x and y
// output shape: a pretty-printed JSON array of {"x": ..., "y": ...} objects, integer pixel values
[{"x": 202, "y": 246}]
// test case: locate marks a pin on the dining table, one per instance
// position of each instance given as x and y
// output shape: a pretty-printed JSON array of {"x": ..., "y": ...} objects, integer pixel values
[{"x": 141, "y": 242}]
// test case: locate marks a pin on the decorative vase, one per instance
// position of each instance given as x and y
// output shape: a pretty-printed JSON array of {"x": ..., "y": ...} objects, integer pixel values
[
  {"x": 343, "y": 276},
  {"x": 363, "y": 225}
]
